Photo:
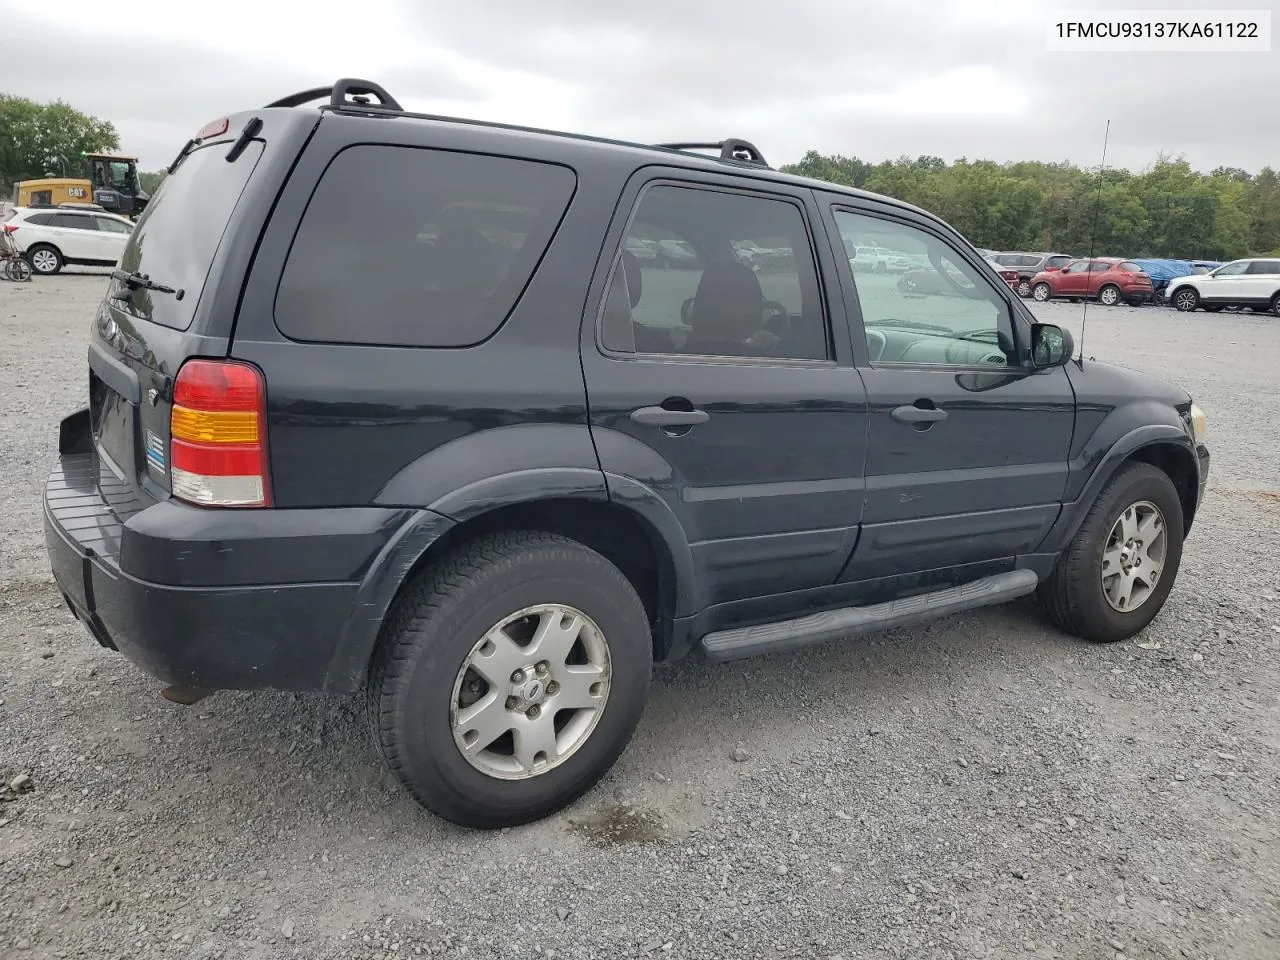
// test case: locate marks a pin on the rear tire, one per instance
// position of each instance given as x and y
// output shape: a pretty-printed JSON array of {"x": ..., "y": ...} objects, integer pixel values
[
  {"x": 1041, "y": 292},
  {"x": 433, "y": 657},
  {"x": 1275, "y": 305},
  {"x": 45, "y": 259},
  {"x": 1109, "y": 295},
  {"x": 1024, "y": 288},
  {"x": 1093, "y": 566}
]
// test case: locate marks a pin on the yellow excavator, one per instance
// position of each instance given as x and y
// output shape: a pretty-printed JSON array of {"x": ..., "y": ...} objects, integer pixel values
[{"x": 112, "y": 185}]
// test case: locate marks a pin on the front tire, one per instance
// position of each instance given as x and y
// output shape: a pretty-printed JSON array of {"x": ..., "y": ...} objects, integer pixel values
[
  {"x": 1185, "y": 300},
  {"x": 45, "y": 260},
  {"x": 1115, "y": 575},
  {"x": 510, "y": 677},
  {"x": 1041, "y": 292}
]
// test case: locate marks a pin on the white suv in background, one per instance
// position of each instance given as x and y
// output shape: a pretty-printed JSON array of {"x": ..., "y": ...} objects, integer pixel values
[
  {"x": 1251, "y": 283},
  {"x": 52, "y": 237}
]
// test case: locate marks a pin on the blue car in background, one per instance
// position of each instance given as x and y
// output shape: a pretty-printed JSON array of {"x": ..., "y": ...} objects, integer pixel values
[{"x": 1164, "y": 272}]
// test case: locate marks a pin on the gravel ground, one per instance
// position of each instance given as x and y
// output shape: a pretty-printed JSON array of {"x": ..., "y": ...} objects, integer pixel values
[{"x": 981, "y": 787}]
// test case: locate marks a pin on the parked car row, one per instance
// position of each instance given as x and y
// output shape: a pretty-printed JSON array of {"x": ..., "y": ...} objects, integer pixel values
[
  {"x": 1251, "y": 283},
  {"x": 53, "y": 237}
]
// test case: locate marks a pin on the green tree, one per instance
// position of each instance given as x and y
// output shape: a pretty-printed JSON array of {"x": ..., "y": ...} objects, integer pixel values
[
  {"x": 1167, "y": 210},
  {"x": 48, "y": 138},
  {"x": 150, "y": 180}
]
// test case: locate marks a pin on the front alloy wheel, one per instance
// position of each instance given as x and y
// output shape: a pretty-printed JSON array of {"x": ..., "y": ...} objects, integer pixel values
[
  {"x": 1041, "y": 292},
  {"x": 531, "y": 692},
  {"x": 1134, "y": 557}
]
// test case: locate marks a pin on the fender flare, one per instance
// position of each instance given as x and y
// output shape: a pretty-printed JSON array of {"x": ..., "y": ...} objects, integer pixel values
[
  {"x": 348, "y": 666},
  {"x": 1121, "y": 450}
]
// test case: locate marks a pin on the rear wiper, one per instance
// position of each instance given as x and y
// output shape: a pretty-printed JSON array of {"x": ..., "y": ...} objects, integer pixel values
[{"x": 133, "y": 281}]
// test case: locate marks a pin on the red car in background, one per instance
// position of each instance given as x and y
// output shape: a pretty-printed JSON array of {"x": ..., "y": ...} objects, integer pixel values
[
  {"x": 1008, "y": 274},
  {"x": 1108, "y": 279}
]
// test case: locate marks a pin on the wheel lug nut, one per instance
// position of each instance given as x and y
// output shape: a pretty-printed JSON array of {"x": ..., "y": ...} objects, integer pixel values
[
  {"x": 512, "y": 702},
  {"x": 534, "y": 712},
  {"x": 517, "y": 677},
  {"x": 553, "y": 688},
  {"x": 541, "y": 668}
]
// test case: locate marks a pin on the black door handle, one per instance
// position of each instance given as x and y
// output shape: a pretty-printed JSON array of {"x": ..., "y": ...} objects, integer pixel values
[
  {"x": 914, "y": 415},
  {"x": 662, "y": 417}
]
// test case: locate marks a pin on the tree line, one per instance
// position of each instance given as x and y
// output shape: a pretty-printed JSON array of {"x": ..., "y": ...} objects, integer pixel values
[{"x": 1169, "y": 210}]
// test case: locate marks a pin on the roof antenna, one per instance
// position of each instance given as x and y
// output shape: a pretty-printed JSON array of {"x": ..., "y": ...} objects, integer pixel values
[{"x": 1093, "y": 233}]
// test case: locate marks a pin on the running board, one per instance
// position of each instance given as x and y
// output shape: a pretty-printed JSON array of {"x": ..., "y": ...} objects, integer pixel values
[{"x": 851, "y": 621}]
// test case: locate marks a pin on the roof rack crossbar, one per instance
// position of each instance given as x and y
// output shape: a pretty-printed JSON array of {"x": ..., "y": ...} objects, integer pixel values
[
  {"x": 347, "y": 92},
  {"x": 743, "y": 151}
]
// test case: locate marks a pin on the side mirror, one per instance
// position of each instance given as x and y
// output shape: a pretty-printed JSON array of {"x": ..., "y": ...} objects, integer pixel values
[{"x": 1051, "y": 345}]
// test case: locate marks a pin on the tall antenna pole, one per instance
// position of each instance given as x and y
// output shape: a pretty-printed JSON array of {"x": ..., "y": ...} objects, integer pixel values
[{"x": 1093, "y": 233}]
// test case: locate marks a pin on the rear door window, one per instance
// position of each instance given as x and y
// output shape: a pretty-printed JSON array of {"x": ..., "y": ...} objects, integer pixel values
[
  {"x": 419, "y": 247},
  {"x": 73, "y": 221}
]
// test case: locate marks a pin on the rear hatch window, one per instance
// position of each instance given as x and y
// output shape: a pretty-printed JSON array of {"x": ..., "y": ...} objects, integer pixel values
[{"x": 180, "y": 230}]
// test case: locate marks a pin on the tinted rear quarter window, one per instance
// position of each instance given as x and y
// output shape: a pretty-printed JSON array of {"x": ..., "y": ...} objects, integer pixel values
[
  {"x": 41, "y": 219},
  {"x": 1265, "y": 266},
  {"x": 407, "y": 246},
  {"x": 1128, "y": 267}
]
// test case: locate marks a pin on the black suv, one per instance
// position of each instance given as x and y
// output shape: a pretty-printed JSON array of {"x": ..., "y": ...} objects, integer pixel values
[
  {"x": 1029, "y": 264},
  {"x": 387, "y": 402}
]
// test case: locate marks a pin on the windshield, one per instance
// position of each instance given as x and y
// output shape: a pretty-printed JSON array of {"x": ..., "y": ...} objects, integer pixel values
[{"x": 178, "y": 234}]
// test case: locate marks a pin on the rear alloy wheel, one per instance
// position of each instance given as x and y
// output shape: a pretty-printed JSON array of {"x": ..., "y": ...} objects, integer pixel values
[
  {"x": 1041, "y": 292},
  {"x": 45, "y": 260},
  {"x": 1115, "y": 575},
  {"x": 1109, "y": 295},
  {"x": 510, "y": 677},
  {"x": 1024, "y": 288},
  {"x": 1275, "y": 305},
  {"x": 1186, "y": 300}
]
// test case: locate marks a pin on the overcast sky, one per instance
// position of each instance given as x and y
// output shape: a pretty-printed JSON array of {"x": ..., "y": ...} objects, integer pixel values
[{"x": 869, "y": 78}]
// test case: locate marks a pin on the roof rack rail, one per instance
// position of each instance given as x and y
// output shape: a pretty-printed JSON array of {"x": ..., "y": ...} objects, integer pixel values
[
  {"x": 346, "y": 93},
  {"x": 742, "y": 151}
]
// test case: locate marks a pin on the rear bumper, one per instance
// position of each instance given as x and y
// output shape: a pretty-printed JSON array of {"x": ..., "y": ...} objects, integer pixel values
[{"x": 227, "y": 599}]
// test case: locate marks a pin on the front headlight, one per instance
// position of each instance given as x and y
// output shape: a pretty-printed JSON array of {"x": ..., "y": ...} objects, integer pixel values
[{"x": 1199, "y": 424}]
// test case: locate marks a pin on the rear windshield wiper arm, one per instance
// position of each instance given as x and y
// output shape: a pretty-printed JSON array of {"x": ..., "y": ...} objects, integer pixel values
[{"x": 133, "y": 281}]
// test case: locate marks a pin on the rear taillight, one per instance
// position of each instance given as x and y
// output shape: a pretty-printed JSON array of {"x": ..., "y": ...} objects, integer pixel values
[
  {"x": 218, "y": 427},
  {"x": 10, "y": 228}
]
